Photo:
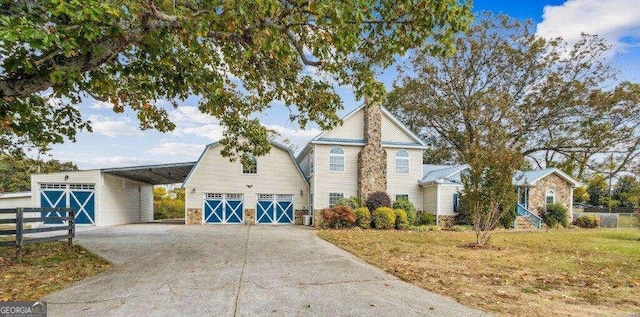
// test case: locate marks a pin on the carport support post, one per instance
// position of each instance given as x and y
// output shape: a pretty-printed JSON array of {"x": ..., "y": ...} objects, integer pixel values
[
  {"x": 19, "y": 235},
  {"x": 72, "y": 224}
]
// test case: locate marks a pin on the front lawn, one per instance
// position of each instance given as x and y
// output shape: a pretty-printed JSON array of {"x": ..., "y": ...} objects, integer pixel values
[
  {"x": 557, "y": 272},
  {"x": 45, "y": 268}
]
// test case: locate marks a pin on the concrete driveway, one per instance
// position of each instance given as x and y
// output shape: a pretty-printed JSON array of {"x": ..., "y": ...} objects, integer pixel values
[{"x": 225, "y": 270}]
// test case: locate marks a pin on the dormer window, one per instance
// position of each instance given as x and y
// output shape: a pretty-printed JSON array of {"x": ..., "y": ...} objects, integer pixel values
[
  {"x": 402, "y": 162},
  {"x": 250, "y": 167},
  {"x": 336, "y": 159}
]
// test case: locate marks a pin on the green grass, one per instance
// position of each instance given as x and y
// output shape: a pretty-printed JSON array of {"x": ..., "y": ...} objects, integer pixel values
[
  {"x": 45, "y": 268},
  {"x": 556, "y": 272}
]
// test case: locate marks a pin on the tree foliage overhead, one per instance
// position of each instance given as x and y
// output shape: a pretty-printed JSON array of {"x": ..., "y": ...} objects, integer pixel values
[
  {"x": 15, "y": 171},
  {"x": 237, "y": 56},
  {"x": 546, "y": 97}
]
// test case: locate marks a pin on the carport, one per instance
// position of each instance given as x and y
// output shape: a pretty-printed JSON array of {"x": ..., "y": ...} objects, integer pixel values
[{"x": 109, "y": 196}]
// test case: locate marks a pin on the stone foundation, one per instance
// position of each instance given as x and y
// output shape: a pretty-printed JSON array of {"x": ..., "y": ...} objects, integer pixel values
[
  {"x": 317, "y": 219},
  {"x": 298, "y": 216},
  {"x": 194, "y": 216},
  {"x": 446, "y": 221},
  {"x": 249, "y": 216}
]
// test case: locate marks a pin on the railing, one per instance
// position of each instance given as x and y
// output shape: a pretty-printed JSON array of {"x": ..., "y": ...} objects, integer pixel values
[
  {"x": 67, "y": 221},
  {"x": 531, "y": 217}
]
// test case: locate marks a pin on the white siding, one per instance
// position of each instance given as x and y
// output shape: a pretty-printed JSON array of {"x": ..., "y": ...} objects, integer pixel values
[
  {"x": 14, "y": 200},
  {"x": 277, "y": 174},
  {"x": 123, "y": 201},
  {"x": 405, "y": 183},
  {"x": 351, "y": 128},
  {"x": 391, "y": 132},
  {"x": 430, "y": 195},
  {"x": 335, "y": 182},
  {"x": 446, "y": 199}
]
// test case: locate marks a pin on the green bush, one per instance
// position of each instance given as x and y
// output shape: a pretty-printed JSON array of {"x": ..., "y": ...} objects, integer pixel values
[
  {"x": 168, "y": 209},
  {"x": 408, "y": 207},
  {"x": 340, "y": 216},
  {"x": 509, "y": 218},
  {"x": 353, "y": 202},
  {"x": 555, "y": 215},
  {"x": 384, "y": 218},
  {"x": 458, "y": 228},
  {"x": 402, "y": 221},
  {"x": 587, "y": 221},
  {"x": 363, "y": 217},
  {"x": 425, "y": 219},
  {"x": 376, "y": 200},
  {"x": 425, "y": 228}
]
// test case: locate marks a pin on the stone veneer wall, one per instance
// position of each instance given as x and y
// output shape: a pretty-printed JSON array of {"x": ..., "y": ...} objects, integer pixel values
[
  {"x": 446, "y": 221},
  {"x": 194, "y": 216},
  {"x": 298, "y": 213},
  {"x": 317, "y": 219},
  {"x": 249, "y": 216},
  {"x": 372, "y": 159},
  {"x": 537, "y": 193}
]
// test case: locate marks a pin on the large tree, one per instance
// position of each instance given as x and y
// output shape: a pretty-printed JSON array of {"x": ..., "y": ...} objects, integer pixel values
[
  {"x": 15, "y": 171},
  {"x": 237, "y": 56},
  {"x": 557, "y": 104}
]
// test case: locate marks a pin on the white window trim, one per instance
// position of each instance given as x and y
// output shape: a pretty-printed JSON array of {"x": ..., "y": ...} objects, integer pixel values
[
  {"x": 344, "y": 165},
  {"x": 336, "y": 200},
  {"x": 251, "y": 174},
  {"x": 546, "y": 195},
  {"x": 407, "y": 158}
]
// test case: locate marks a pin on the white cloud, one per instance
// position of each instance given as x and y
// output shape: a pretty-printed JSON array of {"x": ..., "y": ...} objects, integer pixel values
[
  {"x": 618, "y": 21},
  {"x": 97, "y": 104},
  {"x": 114, "y": 127},
  {"x": 86, "y": 160},
  {"x": 186, "y": 150},
  {"x": 190, "y": 115}
]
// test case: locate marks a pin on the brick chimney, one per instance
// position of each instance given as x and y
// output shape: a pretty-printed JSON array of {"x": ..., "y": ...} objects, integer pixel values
[{"x": 372, "y": 159}]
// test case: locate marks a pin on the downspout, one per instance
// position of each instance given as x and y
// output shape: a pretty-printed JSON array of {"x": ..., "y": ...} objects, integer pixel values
[{"x": 437, "y": 204}]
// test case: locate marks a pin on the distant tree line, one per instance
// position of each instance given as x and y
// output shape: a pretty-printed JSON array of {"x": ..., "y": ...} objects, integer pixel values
[{"x": 15, "y": 171}]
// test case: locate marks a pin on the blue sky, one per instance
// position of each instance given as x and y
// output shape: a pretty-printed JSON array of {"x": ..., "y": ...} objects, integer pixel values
[{"x": 117, "y": 141}]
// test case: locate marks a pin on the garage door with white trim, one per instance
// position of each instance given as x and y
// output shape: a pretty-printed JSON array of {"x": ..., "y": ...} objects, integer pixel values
[
  {"x": 81, "y": 197},
  {"x": 274, "y": 209},
  {"x": 223, "y": 208}
]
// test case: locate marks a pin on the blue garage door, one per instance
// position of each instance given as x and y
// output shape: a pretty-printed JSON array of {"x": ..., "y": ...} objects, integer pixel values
[
  {"x": 274, "y": 209},
  {"x": 81, "y": 197},
  {"x": 223, "y": 208}
]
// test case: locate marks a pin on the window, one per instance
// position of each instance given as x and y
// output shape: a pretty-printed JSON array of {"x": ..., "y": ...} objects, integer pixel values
[
  {"x": 250, "y": 167},
  {"x": 402, "y": 162},
  {"x": 550, "y": 197},
  {"x": 333, "y": 198},
  {"x": 336, "y": 159},
  {"x": 401, "y": 196},
  {"x": 456, "y": 201}
]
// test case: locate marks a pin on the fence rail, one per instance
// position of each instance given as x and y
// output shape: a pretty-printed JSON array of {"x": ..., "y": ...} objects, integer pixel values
[{"x": 68, "y": 226}]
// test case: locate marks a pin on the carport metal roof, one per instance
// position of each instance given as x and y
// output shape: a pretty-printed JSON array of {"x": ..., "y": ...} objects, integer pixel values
[{"x": 154, "y": 174}]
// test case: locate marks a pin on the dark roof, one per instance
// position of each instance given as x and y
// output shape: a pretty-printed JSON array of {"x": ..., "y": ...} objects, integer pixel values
[{"x": 159, "y": 174}]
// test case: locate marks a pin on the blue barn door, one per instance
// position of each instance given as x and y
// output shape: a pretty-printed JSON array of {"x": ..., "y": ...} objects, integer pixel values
[
  {"x": 223, "y": 208},
  {"x": 83, "y": 201},
  {"x": 274, "y": 209},
  {"x": 53, "y": 198}
]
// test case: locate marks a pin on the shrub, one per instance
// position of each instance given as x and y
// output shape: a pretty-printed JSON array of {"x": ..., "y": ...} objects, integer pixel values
[
  {"x": 168, "y": 209},
  {"x": 384, "y": 218},
  {"x": 458, "y": 228},
  {"x": 509, "y": 218},
  {"x": 555, "y": 215},
  {"x": 425, "y": 218},
  {"x": 376, "y": 200},
  {"x": 353, "y": 202},
  {"x": 425, "y": 228},
  {"x": 402, "y": 221},
  {"x": 340, "y": 216},
  {"x": 587, "y": 221},
  {"x": 363, "y": 217},
  {"x": 408, "y": 207}
]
